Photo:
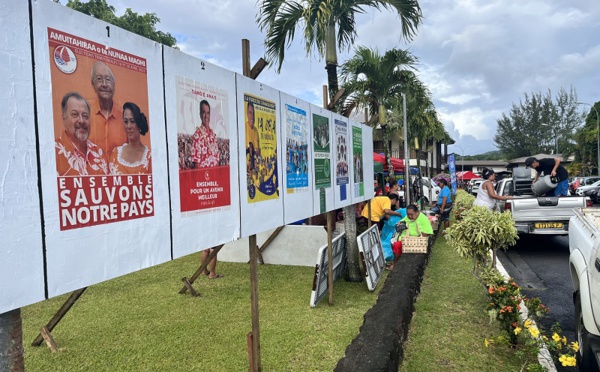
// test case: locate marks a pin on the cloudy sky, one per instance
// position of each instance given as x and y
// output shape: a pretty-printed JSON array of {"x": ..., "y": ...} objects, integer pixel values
[{"x": 476, "y": 57}]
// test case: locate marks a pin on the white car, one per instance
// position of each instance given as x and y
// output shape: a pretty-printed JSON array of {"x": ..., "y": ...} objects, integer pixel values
[
  {"x": 582, "y": 189},
  {"x": 475, "y": 188}
]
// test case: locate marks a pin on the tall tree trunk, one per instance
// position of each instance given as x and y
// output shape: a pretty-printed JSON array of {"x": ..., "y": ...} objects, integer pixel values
[{"x": 349, "y": 214}]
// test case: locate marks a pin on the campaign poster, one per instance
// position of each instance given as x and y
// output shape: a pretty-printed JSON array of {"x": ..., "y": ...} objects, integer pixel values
[
  {"x": 322, "y": 151},
  {"x": 103, "y": 158},
  {"x": 296, "y": 149},
  {"x": 296, "y": 158},
  {"x": 203, "y": 143},
  {"x": 357, "y": 162},
  {"x": 261, "y": 148},
  {"x": 102, "y": 130},
  {"x": 341, "y": 150}
]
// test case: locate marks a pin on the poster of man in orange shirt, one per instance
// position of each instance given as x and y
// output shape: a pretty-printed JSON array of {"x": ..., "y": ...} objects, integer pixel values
[{"x": 102, "y": 131}]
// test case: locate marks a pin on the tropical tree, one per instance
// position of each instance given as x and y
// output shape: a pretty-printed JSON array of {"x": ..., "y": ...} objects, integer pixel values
[
  {"x": 144, "y": 25},
  {"x": 586, "y": 153},
  {"x": 539, "y": 124},
  {"x": 318, "y": 20},
  {"x": 373, "y": 80}
]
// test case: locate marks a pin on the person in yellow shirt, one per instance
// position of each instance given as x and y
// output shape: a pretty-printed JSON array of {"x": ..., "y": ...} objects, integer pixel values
[{"x": 380, "y": 207}]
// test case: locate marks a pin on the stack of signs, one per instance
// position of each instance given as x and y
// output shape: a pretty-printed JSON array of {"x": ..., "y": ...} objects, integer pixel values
[
  {"x": 320, "y": 281},
  {"x": 371, "y": 255}
]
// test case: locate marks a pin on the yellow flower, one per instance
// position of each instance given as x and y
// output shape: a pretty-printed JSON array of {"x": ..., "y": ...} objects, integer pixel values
[
  {"x": 556, "y": 337},
  {"x": 488, "y": 342},
  {"x": 517, "y": 330},
  {"x": 534, "y": 331},
  {"x": 564, "y": 340},
  {"x": 575, "y": 346},
  {"x": 563, "y": 360},
  {"x": 527, "y": 323}
]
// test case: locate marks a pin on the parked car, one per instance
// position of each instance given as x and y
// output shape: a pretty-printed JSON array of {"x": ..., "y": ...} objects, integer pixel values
[
  {"x": 582, "y": 181},
  {"x": 475, "y": 187},
  {"x": 582, "y": 189},
  {"x": 584, "y": 240},
  {"x": 593, "y": 193}
]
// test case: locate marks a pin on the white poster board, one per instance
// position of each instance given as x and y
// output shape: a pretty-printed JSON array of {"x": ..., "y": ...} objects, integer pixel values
[
  {"x": 369, "y": 173},
  {"x": 321, "y": 278},
  {"x": 260, "y": 156},
  {"x": 297, "y": 159},
  {"x": 371, "y": 255},
  {"x": 321, "y": 129},
  {"x": 21, "y": 265},
  {"x": 342, "y": 156},
  {"x": 104, "y": 182},
  {"x": 357, "y": 173},
  {"x": 202, "y": 135}
]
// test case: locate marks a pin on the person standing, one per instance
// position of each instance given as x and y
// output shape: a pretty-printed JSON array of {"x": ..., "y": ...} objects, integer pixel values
[
  {"x": 552, "y": 167},
  {"x": 205, "y": 148},
  {"x": 444, "y": 203},
  {"x": 486, "y": 196},
  {"x": 76, "y": 155},
  {"x": 106, "y": 114}
]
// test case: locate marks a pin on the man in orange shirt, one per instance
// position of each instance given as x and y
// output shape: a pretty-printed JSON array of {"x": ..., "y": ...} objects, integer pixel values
[
  {"x": 76, "y": 155},
  {"x": 107, "y": 115}
]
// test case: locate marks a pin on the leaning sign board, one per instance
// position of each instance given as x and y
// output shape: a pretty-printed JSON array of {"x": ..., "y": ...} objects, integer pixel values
[
  {"x": 320, "y": 281},
  {"x": 371, "y": 255}
]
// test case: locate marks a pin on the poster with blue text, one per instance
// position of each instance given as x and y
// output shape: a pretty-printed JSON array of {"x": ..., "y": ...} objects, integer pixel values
[
  {"x": 296, "y": 153},
  {"x": 452, "y": 169}
]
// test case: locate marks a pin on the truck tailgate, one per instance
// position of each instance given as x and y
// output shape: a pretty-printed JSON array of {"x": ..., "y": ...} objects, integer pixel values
[{"x": 546, "y": 208}]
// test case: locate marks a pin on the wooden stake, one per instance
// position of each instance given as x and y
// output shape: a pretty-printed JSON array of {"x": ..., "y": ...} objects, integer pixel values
[
  {"x": 257, "y": 68},
  {"x": 267, "y": 243},
  {"x": 254, "y": 305},
  {"x": 59, "y": 315},
  {"x": 336, "y": 98},
  {"x": 246, "y": 57},
  {"x": 189, "y": 287},
  {"x": 49, "y": 339},
  {"x": 325, "y": 97},
  {"x": 202, "y": 267},
  {"x": 250, "y": 358},
  {"x": 369, "y": 209},
  {"x": 330, "y": 255}
]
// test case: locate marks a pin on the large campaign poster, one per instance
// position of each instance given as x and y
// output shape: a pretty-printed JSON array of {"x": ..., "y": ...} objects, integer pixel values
[
  {"x": 259, "y": 154},
  {"x": 101, "y": 115},
  {"x": 202, "y": 136},
  {"x": 21, "y": 262},
  {"x": 368, "y": 166},
  {"x": 342, "y": 150},
  {"x": 321, "y": 130},
  {"x": 298, "y": 196},
  {"x": 358, "y": 180},
  {"x": 452, "y": 170}
]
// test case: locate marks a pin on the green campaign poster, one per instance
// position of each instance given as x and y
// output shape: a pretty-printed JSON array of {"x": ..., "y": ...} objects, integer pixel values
[
  {"x": 322, "y": 153},
  {"x": 359, "y": 184}
]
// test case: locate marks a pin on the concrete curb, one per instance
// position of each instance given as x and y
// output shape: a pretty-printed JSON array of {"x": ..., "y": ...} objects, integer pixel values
[{"x": 379, "y": 344}]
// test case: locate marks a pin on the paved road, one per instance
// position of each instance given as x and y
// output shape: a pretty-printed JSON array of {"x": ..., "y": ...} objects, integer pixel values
[{"x": 540, "y": 265}]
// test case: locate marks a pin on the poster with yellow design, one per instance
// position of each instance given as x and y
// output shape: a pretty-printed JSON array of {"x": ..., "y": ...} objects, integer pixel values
[{"x": 261, "y": 148}]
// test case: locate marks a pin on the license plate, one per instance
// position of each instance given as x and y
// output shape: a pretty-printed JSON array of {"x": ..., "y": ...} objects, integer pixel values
[{"x": 548, "y": 225}]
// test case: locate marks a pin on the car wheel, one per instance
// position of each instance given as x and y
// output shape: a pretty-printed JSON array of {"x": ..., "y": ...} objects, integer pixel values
[{"x": 585, "y": 357}]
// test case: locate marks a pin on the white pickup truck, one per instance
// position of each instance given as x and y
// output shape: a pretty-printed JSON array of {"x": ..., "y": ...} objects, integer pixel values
[
  {"x": 538, "y": 215},
  {"x": 584, "y": 262}
]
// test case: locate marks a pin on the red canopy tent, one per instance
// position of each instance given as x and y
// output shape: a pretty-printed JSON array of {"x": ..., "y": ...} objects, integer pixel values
[
  {"x": 466, "y": 176},
  {"x": 397, "y": 164}
]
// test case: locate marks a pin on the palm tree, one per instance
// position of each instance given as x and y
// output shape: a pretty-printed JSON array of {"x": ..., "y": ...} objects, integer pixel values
[
  {"x": 372, "y": 80},
  {"x": 327, "y": 25}
]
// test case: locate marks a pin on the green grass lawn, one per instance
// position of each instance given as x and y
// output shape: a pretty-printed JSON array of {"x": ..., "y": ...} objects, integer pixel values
[
  {"x": 139, "y": 322},
  {"x": 450, "y": 323}
]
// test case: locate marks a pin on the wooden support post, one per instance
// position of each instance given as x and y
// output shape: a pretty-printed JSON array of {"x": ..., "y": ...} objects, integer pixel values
[
  {"x": 254, "y": 305},
  {"x": 203, "y": 265},
  {"x": 59, "y": 315},
  {"x": 369, "y": 210},
  {"x": 189, "y": 287},
  {"x": 246, "y": 57},
  {"x": 257, "y": 68},
  {"x": 330, "y": 255},
  {"x": 335, "y": 99},
  {"x": 267, "y": 243},
  {"x": 49, "y": 339},
  {"x": 250, "y": 358},
  {"x": 325, "y": 97}
]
